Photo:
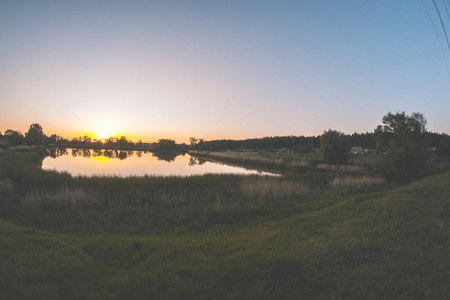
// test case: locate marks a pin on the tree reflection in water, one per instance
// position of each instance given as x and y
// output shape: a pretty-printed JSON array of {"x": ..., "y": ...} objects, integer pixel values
[
  {"x": 166, "y": 155},
  {"x": 111, "y": 154},
  {"x": 112, "y": 162},
  {"x": 195, "y": 161},
  {"x": 54, "y": 153}
]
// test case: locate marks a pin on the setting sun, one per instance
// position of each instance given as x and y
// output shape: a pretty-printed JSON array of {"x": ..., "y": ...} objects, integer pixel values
[
  {"x": 103, "y": 135},
  {"x": 99, "y": 136}
]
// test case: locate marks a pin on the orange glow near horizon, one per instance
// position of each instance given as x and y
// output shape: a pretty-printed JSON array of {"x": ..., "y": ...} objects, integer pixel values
[{"x": 135, "y": 136}]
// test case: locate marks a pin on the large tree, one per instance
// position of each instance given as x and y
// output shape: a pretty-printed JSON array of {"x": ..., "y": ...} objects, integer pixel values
[
  {"x": 35, "y": 135},
  {"x": 443, "y": 147},
  {"x": 401, "y": 146},
  {"x": 334, "y": 147},
  {"x": 14, "y": 137}
]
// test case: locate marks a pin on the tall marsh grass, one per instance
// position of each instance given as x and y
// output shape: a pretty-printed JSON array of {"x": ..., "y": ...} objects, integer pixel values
[
  {"x": 64, "y": 199},
  {"x": 255, "y": 159},
  {"x": 356, "y": 182},
  {"x": 6, "y": 188},
  {"x": 346, "y": 168},
  {"x": 270, "y": 188}
]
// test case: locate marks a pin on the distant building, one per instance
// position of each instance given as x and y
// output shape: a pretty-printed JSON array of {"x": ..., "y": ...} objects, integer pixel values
[{"x": 356, "y": 150}]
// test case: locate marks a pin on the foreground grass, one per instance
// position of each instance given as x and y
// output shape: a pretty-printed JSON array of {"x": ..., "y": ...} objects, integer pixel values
[{"x": 227, "y": 240}]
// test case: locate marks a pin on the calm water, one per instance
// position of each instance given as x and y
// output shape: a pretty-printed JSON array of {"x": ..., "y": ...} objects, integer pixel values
[{"x": 133, "y": 163}]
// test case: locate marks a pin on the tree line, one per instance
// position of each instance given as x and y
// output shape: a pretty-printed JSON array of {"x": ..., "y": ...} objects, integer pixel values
[
  {"x": 35, "y": 136},
  {"x": 302, "y": 144},
  {"x": 298, "y": 144},
  {"x": 402, "y": 144}
]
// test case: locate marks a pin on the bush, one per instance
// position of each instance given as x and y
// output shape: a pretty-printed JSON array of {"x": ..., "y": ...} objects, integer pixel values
[{"x": 334, "y": 147}]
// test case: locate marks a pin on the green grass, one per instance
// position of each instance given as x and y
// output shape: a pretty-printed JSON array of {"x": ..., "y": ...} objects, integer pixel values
[{"x": 220, "y": 237}]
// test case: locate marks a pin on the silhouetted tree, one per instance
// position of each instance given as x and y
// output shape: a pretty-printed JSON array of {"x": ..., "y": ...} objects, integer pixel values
[
  {"x": 166, "y": 145},
  {"x": 35, "y": 135},
  {"x": 401, "y": 146},
  {"x": 443, "y": 147},
  {"x": 75, "y": 143},
  {"x": 334, "y": 147},
  {"x": 111, "y": 142},
  {"x": 122, "y": 142},
  {"x": 51, "y": 140},
  {"x": 364, "y": 140},
  {"x": 62, "y": 142},
  {"x": 85, "y": 141},
  {"x": 193, "y": 140},
  {"x": 278, "y": 142},
  {"x": 14, "y": 137},
  {"x": 96, "y": 144}
]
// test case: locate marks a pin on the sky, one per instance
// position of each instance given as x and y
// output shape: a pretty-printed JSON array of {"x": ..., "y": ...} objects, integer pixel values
[{"x": 221, "y": 69}]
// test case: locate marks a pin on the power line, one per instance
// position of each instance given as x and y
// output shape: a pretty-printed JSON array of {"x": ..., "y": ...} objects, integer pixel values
[
  {"x": 446, "y": 9},
  {"x": 442, "y": 23},
  {"x": 437, "y": 35}
]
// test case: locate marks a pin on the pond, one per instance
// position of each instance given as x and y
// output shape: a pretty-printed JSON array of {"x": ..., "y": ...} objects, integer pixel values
[{"x": 87, "y": 162}]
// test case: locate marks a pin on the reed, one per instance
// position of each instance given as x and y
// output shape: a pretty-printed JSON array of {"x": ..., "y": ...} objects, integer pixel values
[
  {"x": 256, "y": 160},
  {"x": 345, "y": 168},
  {"x": 6, "y": 188},
  {"x": 270, "y": 188},
  {"x": 62, "y": 200},
  {"x": 221, "y": 236},
  {"x": 356, "y": 182}
]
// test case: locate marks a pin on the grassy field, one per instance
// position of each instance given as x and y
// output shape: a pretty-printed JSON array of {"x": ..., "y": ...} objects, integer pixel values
[{"x": 314, "y": 233}]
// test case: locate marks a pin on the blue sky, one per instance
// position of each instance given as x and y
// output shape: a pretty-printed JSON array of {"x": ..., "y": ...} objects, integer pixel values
[{"x": 220, "y": 69}]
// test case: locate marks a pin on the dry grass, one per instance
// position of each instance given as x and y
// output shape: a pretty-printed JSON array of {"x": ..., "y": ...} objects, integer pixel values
[
  {"x": 300, "y": 163},
  {"x": 6, "y": 188},
  {"x": 255, "y": 158},
  {"x": 247, "y": 156},
  {"x": 271, "y": 188},
  {"x": 347, "y": 168},
  {"x": 356, "y": 182},
  {"x": 65, "y": 199}
]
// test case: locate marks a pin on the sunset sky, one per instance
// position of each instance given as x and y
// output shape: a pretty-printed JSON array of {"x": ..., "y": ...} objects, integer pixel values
[{"x": 220, "y": 69}]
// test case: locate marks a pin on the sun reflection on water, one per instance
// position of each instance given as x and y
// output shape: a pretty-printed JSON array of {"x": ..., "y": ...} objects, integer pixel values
[{"x": 125, "y": 163}]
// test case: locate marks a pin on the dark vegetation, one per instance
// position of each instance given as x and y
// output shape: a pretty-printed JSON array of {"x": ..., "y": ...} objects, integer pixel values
[
  {"x": 317, "y": 232},
  {"x": 298, "y": 144},
  {"x": 402, "y": 146},
  {"x": 334, "y": 147},
  {"x": 35, "y": 136},
  {"x": 312, "y": 234}
]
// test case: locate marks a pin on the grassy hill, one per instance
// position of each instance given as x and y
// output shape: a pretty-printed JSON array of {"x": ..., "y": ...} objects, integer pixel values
[{"x": 220, "y": 237}]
